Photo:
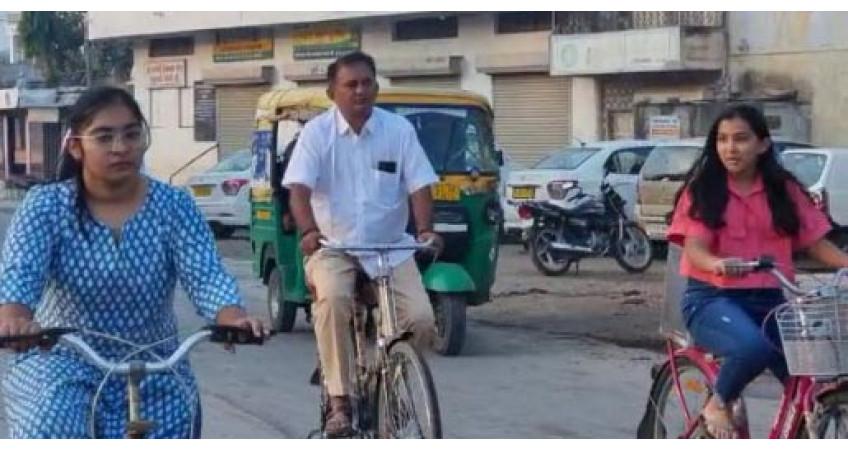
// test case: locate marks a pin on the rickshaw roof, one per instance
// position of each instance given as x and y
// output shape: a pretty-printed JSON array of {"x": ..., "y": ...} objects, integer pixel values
[{"x": 316, "y": 99}]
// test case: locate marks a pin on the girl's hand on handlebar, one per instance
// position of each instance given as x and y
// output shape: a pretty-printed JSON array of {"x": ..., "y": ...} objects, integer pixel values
[
  {"x": 18, "y": 326},
  {"x": 731, "y": 267}
]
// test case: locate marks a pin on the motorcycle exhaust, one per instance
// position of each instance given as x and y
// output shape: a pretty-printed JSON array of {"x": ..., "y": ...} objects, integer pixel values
[{"x": 570, "y": 248}]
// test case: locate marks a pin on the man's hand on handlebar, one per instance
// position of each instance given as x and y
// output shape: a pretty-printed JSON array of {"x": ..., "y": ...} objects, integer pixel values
[
  {"x": 436, "y": 242},
  {"x": 310, "y": 242}
]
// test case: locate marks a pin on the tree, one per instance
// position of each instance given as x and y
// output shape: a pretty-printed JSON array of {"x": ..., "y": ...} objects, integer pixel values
[{"x": 55, "y": 41}]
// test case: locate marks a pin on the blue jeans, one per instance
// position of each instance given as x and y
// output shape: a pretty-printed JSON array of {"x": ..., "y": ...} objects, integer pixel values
[{"x": 728, "y": 323}]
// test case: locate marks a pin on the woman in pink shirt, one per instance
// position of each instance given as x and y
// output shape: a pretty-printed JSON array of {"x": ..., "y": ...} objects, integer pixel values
[{"x": 739, "y": 203}]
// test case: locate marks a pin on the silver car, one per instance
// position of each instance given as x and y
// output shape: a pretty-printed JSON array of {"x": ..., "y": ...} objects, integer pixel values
[{"x": 223, "y": 193}]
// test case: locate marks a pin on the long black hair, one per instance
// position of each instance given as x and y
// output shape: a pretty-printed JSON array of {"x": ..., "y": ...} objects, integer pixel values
[
  {"x": 80, "y": 116},
  {"x": 707, "y": 179}
]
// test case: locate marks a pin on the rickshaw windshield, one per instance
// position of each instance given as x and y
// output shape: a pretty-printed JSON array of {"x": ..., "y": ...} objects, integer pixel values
[{"x": 456, "y": 139}]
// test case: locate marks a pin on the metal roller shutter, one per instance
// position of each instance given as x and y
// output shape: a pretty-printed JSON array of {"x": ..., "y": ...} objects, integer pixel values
[
  {"x": 532, "y": 114},
  {"x": 432, "y": 82},
  {"x": 236, "y": 116}
]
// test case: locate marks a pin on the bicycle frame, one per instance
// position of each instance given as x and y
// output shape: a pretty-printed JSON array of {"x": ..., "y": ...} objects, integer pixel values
[
  {"x": 797, "y": 401},
  {"x": 387, "y": 332}
]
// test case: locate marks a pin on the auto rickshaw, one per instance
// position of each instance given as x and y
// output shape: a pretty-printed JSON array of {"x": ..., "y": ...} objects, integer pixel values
[{"x": 455, "y": 130}]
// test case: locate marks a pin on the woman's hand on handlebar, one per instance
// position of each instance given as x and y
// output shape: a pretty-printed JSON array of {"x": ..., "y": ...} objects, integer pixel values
[
  {"x": 732, "y": 267},
  {"x": 236, "y": 317},
  {"x": 18, "y": 326}
]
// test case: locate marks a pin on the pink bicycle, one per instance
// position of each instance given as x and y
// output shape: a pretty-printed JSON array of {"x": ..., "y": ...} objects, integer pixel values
[{"x": 814, "y": 332}]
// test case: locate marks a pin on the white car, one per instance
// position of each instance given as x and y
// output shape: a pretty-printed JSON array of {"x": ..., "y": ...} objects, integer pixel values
[
  {"x": 223, "y": 193},
  {"x": 509, "y": 166},
  {"x": 822, "y": 171},
  {"x": 584, "y": 166}
]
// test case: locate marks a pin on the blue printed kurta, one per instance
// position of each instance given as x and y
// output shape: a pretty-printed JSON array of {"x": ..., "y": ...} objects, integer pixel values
[{"x": 71, "y": 271}]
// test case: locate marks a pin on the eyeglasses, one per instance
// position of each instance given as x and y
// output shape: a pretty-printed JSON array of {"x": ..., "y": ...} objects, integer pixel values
[{"x": 134, "y": 138}]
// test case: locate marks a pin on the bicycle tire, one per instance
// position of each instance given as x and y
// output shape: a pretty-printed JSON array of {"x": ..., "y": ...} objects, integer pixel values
[
  {"x": 657, "y": 422},
  {"x": 832, "y": 409},
  {"x": 406, "y": 371}
]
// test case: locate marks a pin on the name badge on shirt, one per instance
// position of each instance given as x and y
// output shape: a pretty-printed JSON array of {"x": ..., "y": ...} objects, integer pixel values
[{"x": 387, "y": 166}]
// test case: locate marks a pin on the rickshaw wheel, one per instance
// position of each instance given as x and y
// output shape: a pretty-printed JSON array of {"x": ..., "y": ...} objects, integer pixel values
[
  {"x": 449, "y": 311},
  {"x": 281, "y": 313}
]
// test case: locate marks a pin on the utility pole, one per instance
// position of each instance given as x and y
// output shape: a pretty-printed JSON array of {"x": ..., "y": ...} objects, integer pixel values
[{"x": 86, "y": 48}]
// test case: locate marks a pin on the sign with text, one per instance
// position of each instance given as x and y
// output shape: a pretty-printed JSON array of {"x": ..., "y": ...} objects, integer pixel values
[
  {"x": 167, "y": 74},
  {"x": 324, "y": 41},
  {"x": 205, "y": 113},
  {"x": 664, "y": 127},
  {"x": 243, "y": 45}
]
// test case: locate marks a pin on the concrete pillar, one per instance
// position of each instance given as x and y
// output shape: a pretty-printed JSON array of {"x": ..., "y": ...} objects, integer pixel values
[{"x": 585, "y": 109}]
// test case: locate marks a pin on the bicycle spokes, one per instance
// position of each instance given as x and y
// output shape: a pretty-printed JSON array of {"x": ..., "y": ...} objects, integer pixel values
[{"x": 402, "y": 419}]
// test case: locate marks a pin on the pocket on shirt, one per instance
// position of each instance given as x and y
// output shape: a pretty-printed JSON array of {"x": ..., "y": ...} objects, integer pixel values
[{"x": 387, "y": 188}]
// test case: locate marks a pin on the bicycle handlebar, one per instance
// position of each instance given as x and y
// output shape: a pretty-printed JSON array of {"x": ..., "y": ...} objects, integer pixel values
[
  {"x": 215, "y": 333},
  {"x": 767, "y": 263},
  {"x": 377, "y": 248}
]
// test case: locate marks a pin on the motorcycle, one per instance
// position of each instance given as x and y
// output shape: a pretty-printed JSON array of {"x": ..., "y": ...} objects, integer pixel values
[{"x": 584, "y": 226}]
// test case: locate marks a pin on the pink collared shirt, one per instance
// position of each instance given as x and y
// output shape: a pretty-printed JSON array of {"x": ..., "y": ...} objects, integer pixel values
[{"x": 748, "y": 234}]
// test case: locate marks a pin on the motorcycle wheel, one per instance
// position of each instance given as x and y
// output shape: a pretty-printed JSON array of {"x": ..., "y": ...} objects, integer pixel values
[
  {"x": 543, "y": 258},
  {"x": 633, "y": 250}
]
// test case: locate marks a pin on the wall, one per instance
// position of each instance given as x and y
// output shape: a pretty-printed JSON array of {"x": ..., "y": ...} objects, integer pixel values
[{"x": 807, "y": 52}]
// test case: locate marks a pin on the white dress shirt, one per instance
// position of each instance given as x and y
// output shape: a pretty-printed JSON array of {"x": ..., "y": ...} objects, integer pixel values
[{"x": 361, "y": 183}]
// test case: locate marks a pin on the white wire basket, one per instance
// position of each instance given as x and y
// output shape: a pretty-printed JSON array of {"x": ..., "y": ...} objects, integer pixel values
[{"x": 815, "y": 336}]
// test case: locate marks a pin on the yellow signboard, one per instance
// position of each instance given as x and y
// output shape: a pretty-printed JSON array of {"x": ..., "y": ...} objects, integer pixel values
[{"x": 324, "y": 41}]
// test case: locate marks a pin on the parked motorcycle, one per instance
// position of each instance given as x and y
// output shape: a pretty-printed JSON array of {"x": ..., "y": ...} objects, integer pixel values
[{"x": 584, "y": 226}]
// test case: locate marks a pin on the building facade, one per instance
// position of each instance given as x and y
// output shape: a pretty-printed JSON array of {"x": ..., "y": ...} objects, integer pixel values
[
  {"x": 554, "y": 79},
  {"x": 798, "y": 56}
]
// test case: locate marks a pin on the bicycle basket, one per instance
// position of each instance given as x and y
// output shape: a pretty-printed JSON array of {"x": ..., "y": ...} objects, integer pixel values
[{"x": 815, "y": 337}]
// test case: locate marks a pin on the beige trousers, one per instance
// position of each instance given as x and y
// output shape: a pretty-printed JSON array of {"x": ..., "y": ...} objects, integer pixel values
[{"x": 333, "y": 277}]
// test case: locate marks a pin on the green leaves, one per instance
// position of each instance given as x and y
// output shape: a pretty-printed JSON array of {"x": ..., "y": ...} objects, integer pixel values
[{"x": 55, "y": 41}]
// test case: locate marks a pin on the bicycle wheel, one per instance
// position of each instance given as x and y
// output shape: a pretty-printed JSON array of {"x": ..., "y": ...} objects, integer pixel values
[
  {"x": 831, "y": 418},
  {"x": 665, "y": 417},
  {"x": 408, "y": 407}
]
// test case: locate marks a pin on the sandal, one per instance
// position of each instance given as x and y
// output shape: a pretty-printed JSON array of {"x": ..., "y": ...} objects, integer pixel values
[{"x": 717, "y": 425}]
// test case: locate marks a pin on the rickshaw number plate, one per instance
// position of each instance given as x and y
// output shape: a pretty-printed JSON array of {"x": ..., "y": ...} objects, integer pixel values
[
  {"x": 202, "y": 191},
  {"x": 263, "y": 215},
  {"x": 446, "y": 192},
  {"x": 523, "y": 192}
]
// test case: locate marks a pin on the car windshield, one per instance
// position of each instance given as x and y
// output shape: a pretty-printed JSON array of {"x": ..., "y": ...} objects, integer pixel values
[
  {"x": 670, "y": 162},
  {"x": 456, "y": 139},
  {"x": 807, "y": 167},
  {"x": 235, "y": 162},
  {"x": 568, "y": 159}
]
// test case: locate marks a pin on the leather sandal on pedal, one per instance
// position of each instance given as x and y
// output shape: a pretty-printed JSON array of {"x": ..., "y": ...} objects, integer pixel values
[
  {"x": 717, "y": 427},
  {"x": 338, "y": 423}
]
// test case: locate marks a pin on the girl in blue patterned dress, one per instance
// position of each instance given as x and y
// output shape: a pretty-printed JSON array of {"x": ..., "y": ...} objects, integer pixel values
[{"x": 102, "y": 250}]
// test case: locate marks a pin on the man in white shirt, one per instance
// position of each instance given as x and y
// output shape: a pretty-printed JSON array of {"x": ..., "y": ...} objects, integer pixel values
[{"x": 353, "y": 173}]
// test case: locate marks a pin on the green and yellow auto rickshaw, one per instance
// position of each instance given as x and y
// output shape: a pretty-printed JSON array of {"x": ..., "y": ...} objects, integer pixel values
[{"x": 455, "y": 129}]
